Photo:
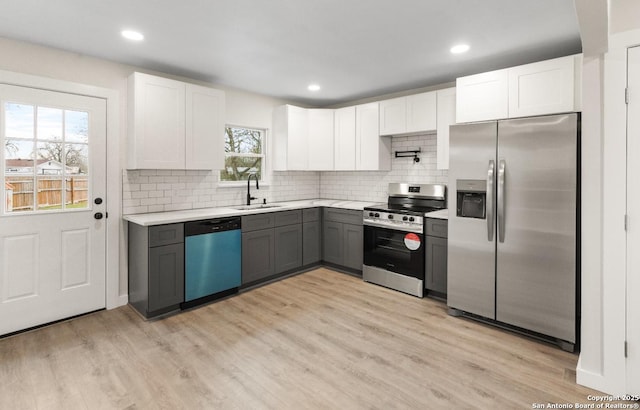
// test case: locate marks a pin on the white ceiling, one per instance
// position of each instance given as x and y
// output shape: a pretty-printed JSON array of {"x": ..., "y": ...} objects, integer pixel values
[{"x": 353, "y": 48}]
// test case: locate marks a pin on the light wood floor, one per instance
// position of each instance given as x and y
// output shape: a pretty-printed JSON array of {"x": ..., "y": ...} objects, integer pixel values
[{"x": 318, "y": 340}]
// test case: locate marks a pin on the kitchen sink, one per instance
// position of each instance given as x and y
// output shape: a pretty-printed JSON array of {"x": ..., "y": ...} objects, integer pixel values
[{"x": 257, "y": 206}]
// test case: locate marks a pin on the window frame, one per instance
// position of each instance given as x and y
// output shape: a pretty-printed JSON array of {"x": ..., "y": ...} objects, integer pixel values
[{"x": 264, "y": 179}]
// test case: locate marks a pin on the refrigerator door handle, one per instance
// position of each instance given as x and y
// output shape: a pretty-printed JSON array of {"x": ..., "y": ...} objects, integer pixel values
[
  {"x": 501, "y": 200},
  {"x": 491, "y": 223}
]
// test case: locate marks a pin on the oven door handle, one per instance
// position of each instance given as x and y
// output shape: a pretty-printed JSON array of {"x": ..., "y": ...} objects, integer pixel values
[{"x": 417, "y": 229}]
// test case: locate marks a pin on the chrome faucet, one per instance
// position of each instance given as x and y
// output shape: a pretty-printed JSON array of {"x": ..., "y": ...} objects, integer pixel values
[{"x": 249, "y": 197}]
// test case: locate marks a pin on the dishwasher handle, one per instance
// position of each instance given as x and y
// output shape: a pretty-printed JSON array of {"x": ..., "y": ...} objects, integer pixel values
[{"x": 211, "y": 226}]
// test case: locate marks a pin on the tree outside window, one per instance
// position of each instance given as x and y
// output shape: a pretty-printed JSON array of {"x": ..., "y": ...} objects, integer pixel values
[{"x": 244, "y": 153}]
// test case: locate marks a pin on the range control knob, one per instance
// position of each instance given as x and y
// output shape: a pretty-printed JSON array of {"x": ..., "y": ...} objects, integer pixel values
[
  {"x": 371, "y": 213},
  {"x": 404, "y": 218},
  {"x": 377, "y": 215},
  {"x": 390, "y": 216},
  {"x": 411, "y": 219}
]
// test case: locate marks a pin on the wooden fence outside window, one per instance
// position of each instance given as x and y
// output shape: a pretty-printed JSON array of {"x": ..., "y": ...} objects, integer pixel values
[{"x": 48, "y": 193}]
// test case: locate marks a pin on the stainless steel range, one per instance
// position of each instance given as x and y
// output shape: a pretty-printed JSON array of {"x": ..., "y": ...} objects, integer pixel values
[{"x": 394, "y": 248}]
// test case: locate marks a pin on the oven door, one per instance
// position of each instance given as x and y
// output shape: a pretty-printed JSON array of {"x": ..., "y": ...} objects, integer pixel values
[{"x": 396, "y": 251}]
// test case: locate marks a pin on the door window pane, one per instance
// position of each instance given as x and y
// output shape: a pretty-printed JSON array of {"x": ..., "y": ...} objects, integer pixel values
[
  {"x": 49, "y": 193},
  {"x": 77, "y": 182},
  {"x": 49, "y": 124},
  {"x": 76, "y": 126},
  {"x": 18, "y": 121},
  {"x": 76, "y": 159},
  {"x": 19, "y": 169}
]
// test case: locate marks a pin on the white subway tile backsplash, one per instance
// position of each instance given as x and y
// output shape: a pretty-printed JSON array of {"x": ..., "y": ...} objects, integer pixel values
[
  {"x": 148, "y": 201},
  {"x": 140, "y": 194},
  {"x": 372, "y": 185},
  {"x": 128, "y": 210},
  {"x": 130, "y": 202},
  {"x": 162, "y": 190},
  {"x": 170, "y": 190}
]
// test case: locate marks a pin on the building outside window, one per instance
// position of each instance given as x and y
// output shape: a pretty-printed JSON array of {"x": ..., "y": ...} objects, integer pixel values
[{"x": 244, "y": 153}]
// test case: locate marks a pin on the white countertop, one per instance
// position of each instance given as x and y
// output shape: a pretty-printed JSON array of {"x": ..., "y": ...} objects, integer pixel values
[
  {"x": 160, "y": 218},
  {"x": 441, "y": 214}
]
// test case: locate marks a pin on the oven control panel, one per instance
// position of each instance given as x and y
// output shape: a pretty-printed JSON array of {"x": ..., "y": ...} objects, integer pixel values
[{"x": 391, "y": 220}]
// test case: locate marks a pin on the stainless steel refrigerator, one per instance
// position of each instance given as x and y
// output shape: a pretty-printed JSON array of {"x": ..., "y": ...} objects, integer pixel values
[{"x": 513, "y": 223}]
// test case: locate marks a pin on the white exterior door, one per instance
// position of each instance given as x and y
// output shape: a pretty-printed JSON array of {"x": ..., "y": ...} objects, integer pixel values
[
  {"x": 633, "y": 232},
  {"x": 52, "y": 239}
]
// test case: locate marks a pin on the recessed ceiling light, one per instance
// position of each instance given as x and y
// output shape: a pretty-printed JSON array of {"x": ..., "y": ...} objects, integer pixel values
[
  {"x": 313, "y": 87},
  {"x": 460, "y": 48},
  {"x": 132, "y": 35}
]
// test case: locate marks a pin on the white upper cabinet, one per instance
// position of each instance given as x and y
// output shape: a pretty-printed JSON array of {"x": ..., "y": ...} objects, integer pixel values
[
  {"x": 373, "y": 152},
  {"x": 302, "y": 139},
  {"x": 174, "y": 125},
  {"x": 345, "y": 139},
  {"x": 156, "y": 122},
  {"x": 544, "y": 87},
  {"x": 411, "y": 114},
  {"x": 320, "y": 145},
  {"x": 290, "y": 138},
  {"x": 205, "y": 119},
  {"x": 446, "y": 116},
  {"x": 421, "y": 112},
  {"x": 482, "y": 97},
  {"x": 393, "y": 116}
]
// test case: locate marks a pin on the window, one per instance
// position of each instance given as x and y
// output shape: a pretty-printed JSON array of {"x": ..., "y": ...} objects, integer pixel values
[
  {"x": 46, "y": 155},
  {"x": 244, "y": 153}
]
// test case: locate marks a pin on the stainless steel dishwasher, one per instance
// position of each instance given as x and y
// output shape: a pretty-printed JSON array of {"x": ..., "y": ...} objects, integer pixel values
[{"x": 213, "y": 258}]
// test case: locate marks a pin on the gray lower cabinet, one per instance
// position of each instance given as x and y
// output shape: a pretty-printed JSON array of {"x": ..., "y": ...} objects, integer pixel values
[
  {"x": 166, "y": 276},
  {"x": 353, "y": 246},
  {"x": 311, "y": 236},
  {"x": 311, "y": 242},
  {"x": 342, "y": 238},
  {"x": 258, "y": 255},
  {"x": 436, "y": 257},
  {"x": 156, "y": 268},
  {"x": 333, "y": 242},
  {"x": 288, "y": 247},
  {"x": 271, "y": 244}
]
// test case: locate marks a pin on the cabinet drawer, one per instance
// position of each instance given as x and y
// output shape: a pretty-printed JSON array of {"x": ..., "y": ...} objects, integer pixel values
[
  {"x": 166, "y": 234},
  {"x": 437, "y": 227},
  {"x": 258, "y": 221},
  {"x": 343, "y": 216},
  {"x": 311, "y": 215},
  {"x": 288, "y": 217}
]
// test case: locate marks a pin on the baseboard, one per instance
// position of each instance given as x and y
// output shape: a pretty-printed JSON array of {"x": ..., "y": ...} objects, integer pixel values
[
  {"x": 121, "y": 300},
  {"x": 595, "y": 381}
]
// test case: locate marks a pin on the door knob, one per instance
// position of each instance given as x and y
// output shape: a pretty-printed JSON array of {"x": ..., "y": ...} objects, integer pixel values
[
  {"x": 97, "y": 201},
  {"x": 98, "y": 215}
]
